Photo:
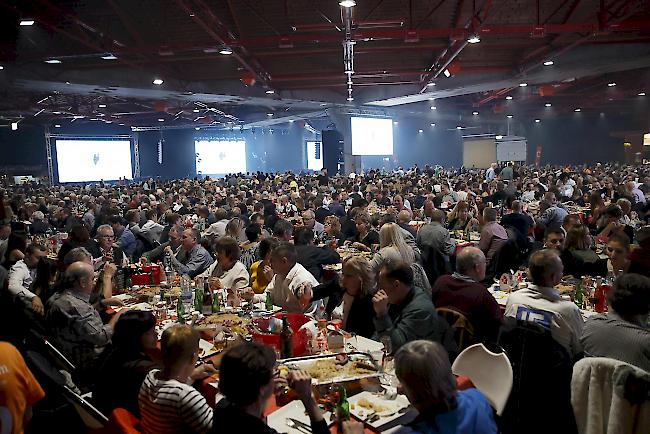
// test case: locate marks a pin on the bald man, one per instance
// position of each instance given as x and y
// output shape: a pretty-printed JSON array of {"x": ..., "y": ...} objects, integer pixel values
[
  {"x": 76, "y": 326},
  {"x": 463, "y": 292},
  {"x": 403, "y": 220}
]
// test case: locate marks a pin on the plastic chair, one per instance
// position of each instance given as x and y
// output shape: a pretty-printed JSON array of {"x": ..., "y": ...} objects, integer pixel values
[
  {"x": 490, "y": 372},
  {"x": 463, "y": 329},
  {"x": 122, "y": 421}
]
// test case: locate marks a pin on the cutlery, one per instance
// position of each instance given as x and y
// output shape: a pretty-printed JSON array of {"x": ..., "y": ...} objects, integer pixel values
[{"x": 296, "y": 424}]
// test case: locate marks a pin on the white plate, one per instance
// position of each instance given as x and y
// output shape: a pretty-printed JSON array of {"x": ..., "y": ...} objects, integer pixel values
[
  {"x": 207, "y": 349},
  {"x": 294, "y": 410},
  {"x": 388, "y": 418}
]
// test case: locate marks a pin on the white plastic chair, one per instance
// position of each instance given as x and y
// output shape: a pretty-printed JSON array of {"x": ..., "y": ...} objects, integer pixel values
[{"x": 490, "y": 372}]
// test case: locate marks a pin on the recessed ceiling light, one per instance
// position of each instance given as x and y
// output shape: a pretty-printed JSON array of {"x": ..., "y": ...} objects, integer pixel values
[
  {"x": 270, "y": 92},
  {"x": 641, "y": 94},
  {"x": 52, "y": 61},
  {"x": 161, "y": 120},
  {"x": 350, "y": 98},
  {"x": 612, "y": 84},
  {"x": 395, "y": 122},
  {"x": 420, "y": 131},
  {"x": 537, "y": 121},
  {"x": 523, "y": 84},
  {"x": 433, "y": 125},
  {"x": 431, "y": 83},
  {"x": 548, "y": 104},
  {"x": 509, "y": 116},
  {"x": 499, "y": 137},
  {"x": 102, "y": 106},
  {"x": 1, "y": 67},
  {"x": 433, "y": 107},
  {"x": 548, "y": 63},
  {"x": 109, "y": 56},
  {"x": 196, "y": 128},
  {"x": 458, "y": 127},
  {"x": 226, "y": 51},
  {"x": 27, "y": 22},
  {"x": 290, "y": 121},
  {"x": 57, "y": 126},
  {"x": 347, "y": 3},
  {"x": 269, "y": 114},
  {"x": 447, "y": 73},
  {"x": 475, "y": 113},
  {"x": 509, "y": 97},
  {"x": 577, "y": 110},
  {"x": 474, "y": 39},
  {"x": 14, "y": 126},
  {"x": 158, "y": 81},
  {"x": 196, "y": 110}
]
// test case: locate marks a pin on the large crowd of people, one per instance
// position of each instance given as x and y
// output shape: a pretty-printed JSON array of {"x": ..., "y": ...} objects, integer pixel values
[{"x": 272, "y": 236}]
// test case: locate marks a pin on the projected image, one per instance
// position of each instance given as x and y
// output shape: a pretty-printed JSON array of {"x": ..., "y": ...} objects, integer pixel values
[
  {"x": 93, "y": 160},
  {"x": 372, "y": 136},
  {"x": 314, "y": 156},
  {"x": 220, "y": 157}
]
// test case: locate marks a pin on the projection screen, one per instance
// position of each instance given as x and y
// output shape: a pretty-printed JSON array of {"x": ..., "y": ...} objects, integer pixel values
[{"x": 80, "y": 160}]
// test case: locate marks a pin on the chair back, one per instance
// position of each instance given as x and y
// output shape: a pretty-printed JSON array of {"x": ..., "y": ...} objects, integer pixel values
[
  {"x": 91, "y": 417},
  {"x": 610, "y": 396},
  {"x": 490, "y": 372},
  {"x": 420, "y": 278},
  {"x": 122, "y": 421},
  {"x": 435, "y": 264},
  {"x": 462, "y": 328}
]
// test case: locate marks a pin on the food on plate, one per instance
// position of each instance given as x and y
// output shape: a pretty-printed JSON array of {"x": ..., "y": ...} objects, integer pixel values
[
  {"x": 329, "y": 369},
  {"x": 229, "y": 322},
  {"x": 372, "y": 406},
  {"x": 150, "y": 291}
]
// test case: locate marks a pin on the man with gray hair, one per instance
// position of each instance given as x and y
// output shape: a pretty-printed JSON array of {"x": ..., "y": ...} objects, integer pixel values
[
  {"x": 75, "y": 324},
  {"x": 463, "y": 292},
  {"x": 109, "y": 252},
  {"x": 309, "y": 220},
  {"x": 493, "y": 235},
  {"x": 540, "y": 303}
]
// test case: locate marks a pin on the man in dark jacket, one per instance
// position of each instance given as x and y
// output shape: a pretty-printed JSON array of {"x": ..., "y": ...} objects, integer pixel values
[{"x": 311, "y": 257}]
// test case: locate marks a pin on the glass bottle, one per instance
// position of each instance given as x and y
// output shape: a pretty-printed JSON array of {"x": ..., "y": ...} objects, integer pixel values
[
  {"x": 342, "y": 409},
  {"x": 286, "y": 339},
  {"x": 180, "y": 311},
  {"x": 269, "y": 302}
]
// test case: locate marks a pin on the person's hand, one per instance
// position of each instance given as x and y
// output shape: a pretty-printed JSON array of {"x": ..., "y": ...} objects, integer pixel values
[
  {"x": 268, "y": 273},
  {"x": 215, "y": 283},
  {"x": 37, "y": 305},
  {"x": 380, "y": 303},
  {"x": 304, "y": 293},
  {"x": 352, "y": 427},
  {"x": 359, "y": 246},
  {"x": 300, "y": 382},
  {"x": 109, "y": 270},
  {"x": 203, "y": 371},
  {"x": 113, "y": 301},
  {"x": 247, "y": 293}
]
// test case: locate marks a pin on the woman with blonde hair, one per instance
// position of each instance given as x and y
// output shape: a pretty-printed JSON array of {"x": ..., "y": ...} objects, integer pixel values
[
  {"x": 332, "y": 230},
  {"x": 235, "y": 229},
  {"x": 459, "y": 218},
  {"x": 392, "y": 247}
]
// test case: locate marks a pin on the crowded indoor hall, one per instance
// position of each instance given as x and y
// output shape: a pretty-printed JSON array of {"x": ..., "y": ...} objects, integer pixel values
[{"x": 329, "y": 216}]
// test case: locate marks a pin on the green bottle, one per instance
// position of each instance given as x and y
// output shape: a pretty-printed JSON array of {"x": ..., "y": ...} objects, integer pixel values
[
  {"x": 269, "y": 302},
  {"x": 216, "y": 302},
  {"x": 578, "y": 295},
  {"x": 342, "y": 409},
  {"x": 198, "y": 298},
  {"x": 180, "y": 311}
]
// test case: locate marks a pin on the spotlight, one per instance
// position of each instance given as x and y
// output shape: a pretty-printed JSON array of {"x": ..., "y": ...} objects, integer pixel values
[
  {"x": 537, "y": 121},
  {"x": 27, "y": 22},
  {"x": 196, "y": 110},
  {"x": 395, "y": 122},
  {"x": 57, "y": 126},
  {"x": 226, "y": 51},
  {"x": 509, "y": 116},
  {"x": 431, "y": 83},
  {"x": 270, "y": 92},
  {"x": 641, "y": 94},
  {"x": 612, "y": 84},
  {"x": 509, "y": 97},
  {"x": 109, "y": 56},
  {"x": 475, "y": 113},
  {"x": 347, "y": 3},
  {"x": 577, "y": 110},
  {"x": 447, "y": 73},
  {"x": 350, "y": 98},
  {"x": 433, "y": 107},
  {"x": 499, "y": 137},
  {"x": 161, "y": 120},
  {"x": 102, "y": 106},
  {"x": 52, "y": 61},
  {"x": 474, "y": 39},
  {"x": 523, "y": 84},
  {"x": 269, "y": 114},
  {"x": 548, "y": 104},
  {"x": 548, "y": 63},
  {"x": 158, "y": 81},
  {"x": 420, "y": 131},
  {"x": 433, "y": 125},
  {"x": 14, "y": 126},
  {"x": 1, "y": 67},
  {"x": 458, "y": 127}
]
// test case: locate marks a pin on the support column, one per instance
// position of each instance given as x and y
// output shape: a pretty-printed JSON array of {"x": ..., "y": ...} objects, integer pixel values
[{"x": 48, "y": 151}]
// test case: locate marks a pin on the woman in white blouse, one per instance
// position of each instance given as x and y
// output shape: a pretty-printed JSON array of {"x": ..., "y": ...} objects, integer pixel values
[{"x": 227, "y": 273}]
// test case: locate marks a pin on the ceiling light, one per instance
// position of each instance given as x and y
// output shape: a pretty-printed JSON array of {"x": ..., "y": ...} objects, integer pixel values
[
  {"x": 196, "y": 110},
  {"x": 350, "y": 98},
  {"x": 431, "y": 83},
  {"x": 1, "y": 67},
  {"x": 52, "y": 61},
  {"x": 196, "y": 128},
  {"x": 433, "y": 125},
  {"x": 509, "y": 97},
  {"x": 102, "y": 106},
  {"x": 158, "y": 81},
  {"x": 226, "y": 51},
  {"x": 57, "y": 126},
  {"x": 347, "y": 3},
  {"x": 475, "y": 113},
  {"x": 14, "y": 126},
  {"x": 27, "y": 22},
  {"x": 523, "y": 84},
  {"x": 459, "y": 127},
  {"x": 269, "y": 114},
  {"x": 499, "y": 137},
  {"x": 161, "y": 120},
  {"x": 537, "y": 121},
  {"x": 548, "y": 63},
  {"x": 291, "y": 121},
  {"x": 474, "y": 39},
  {"x": 612, "y": 84},
  {"x": 270, "y": 92},
  {"x": 447, "y": 73},
  {"x": 420, "y": 131},
  {"x": 109, "y": 56},
  {"x": 509, "y": 116},
  {"x": 641, "y": 94},
  {"x": 577, "y": 110},
  {"x": 433, "y": 107},
  {"x": 548, "y": 104},
  {"x": 395, "y": 122}
]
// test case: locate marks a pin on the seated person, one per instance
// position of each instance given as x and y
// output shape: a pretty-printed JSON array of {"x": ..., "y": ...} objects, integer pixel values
[
  {"x": 22, "y": 276},
  {"x": 247, "y": 380},
  {"x": 462, "y": 291},
  {"x": 424, "y": 372},
  {"x": 127, "y": 362},
  {"x": 366, "y": 236},
  {"x": 311, "y": 257},
  {"x": 194, "y": 259},
  {"x": 577, "y": 244},
  {"x": 174, "y": 241},
  {"x": 518, "y": 220},
  {"x": 460, "y": 219},
  {"x": 640, "y": 257},
  {"x": 332, "y": 232},
  {"x": 622, "y": 333},
  {"x": 493, "y": 235},
  {"x": 291, "y": 285},
  {"x": 19, "y": 390},
  {"x": 261, "y": 271},
  {"x": 617, "y": 262},
  {"x": 227, "y": 272},
  {"x": 403, "y": 312},
  {"x": 168, "y": 404},
  {"x": 540, "y": 303},
  {"x": 75, "y": 324}
]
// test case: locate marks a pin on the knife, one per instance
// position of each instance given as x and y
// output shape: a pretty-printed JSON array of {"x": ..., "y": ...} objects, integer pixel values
[{"x": 302, "y": 425}]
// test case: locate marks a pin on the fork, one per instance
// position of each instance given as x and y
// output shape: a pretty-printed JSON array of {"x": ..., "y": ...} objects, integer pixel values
[{"x": 292, "y": 424}]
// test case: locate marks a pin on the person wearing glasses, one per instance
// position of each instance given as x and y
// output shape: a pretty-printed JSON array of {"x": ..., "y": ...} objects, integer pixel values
[
  {"x": 108, "y": 250},
  {"x": 194, "y": 258}
]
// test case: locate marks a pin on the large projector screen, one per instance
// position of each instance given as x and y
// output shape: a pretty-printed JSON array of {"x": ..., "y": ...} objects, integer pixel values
[
  {"x": 93, "y": 160},
  {"x": 371, "y": 136},
  {"x": 220, "y": 157}
]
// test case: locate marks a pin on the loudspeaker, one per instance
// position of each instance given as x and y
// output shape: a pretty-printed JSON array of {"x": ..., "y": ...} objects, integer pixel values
[{"x": 332, "y": 150}]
